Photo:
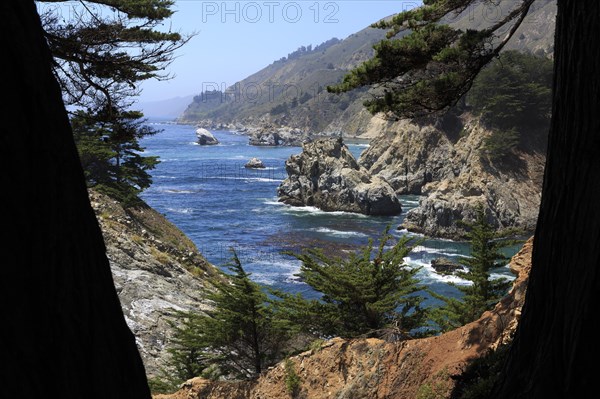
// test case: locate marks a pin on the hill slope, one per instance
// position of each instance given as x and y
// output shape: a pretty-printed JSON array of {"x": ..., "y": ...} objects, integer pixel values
[
  {"x": 290, "y": 92},
  {"x": 155, "y": 268}
]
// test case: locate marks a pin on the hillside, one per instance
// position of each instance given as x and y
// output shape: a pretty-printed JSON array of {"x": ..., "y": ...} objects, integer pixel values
[
  {"x": 290, "y": 92},
  {"x": 373, "y": 368},
  {"x": 171, "y": 108},
  {"x": 155, "y": 268}
]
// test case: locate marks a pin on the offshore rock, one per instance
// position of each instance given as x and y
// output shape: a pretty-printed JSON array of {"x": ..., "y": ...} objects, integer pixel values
[
  {"x": 327, "y": 176},
  {"x": 282, "y": 136},
  {"x": 205, "y": 137},
  {"x": 254, "y": 163}
]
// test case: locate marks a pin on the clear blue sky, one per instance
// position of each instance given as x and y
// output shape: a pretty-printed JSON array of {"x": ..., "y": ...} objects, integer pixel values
[{"x": 237, "y": 38}]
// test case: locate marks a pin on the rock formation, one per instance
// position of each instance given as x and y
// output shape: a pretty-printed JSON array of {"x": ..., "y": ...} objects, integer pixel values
[
  {"x": 277, "y": 136},
  {"x": 445, "y": 162},
  {"x": 327, "y": 176},
  {"x": 156, "y": 269},
  {"x": 373, "y": 368},
  {"x": 254, "y": 163},
  {"x": 205, "y": 137}
]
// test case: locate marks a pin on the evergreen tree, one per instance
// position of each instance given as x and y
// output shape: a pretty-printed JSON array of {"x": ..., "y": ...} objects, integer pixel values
[
  {"x": 110, "y": 153},
  {"x": 514, "y": 92},
  {"x": 239, "y": 337},
  {"x": 364, "y": 294},
  {"x": 433, "y": 66},
  {"x": 484, "y": 292},
  {"x": 102, "y": 49}
]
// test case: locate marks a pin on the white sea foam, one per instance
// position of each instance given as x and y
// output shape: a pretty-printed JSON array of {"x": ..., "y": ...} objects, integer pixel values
[
  {"x": 175, "y": 191},
  {"x": 181, "y": 210},
  {"x": 443, "y": 251},
  {"x": 312, "y": 210},
  {"x": 428, "y": 274},
  {"x": 339, "y": 233}
]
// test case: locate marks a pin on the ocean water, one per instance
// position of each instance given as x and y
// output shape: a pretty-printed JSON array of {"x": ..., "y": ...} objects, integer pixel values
[{"x": 220, "y": 205}]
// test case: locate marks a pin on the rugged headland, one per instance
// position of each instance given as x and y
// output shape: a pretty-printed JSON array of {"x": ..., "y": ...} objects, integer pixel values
[
  {"x": 373, "y": 368},
  {"x": 446, "y": 162},
  {"x": 156, "y": 269}
]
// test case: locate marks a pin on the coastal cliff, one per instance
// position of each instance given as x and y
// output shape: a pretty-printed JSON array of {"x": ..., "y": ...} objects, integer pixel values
[
  {"x": 446, "y": 162},
  {"x": 155, "y": 268}
]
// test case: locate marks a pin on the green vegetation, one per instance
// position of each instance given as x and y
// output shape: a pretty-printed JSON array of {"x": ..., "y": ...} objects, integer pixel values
[
  {"x": 430, "y": 67},
  {"x": 484, "y": 293},
  {"x": 513, "y": 96},
  {"x": 104, "y": 48},
  {"x": 365, "y": 294},
  {"x": 108, "y": 144},
  {"x": 477, "y": 381},
  {"x": 292, "y": 379},
  {"x": 238, "y": 338},
  {"x": 369, "y": 293},
  {"x": 438, "y": 388}
]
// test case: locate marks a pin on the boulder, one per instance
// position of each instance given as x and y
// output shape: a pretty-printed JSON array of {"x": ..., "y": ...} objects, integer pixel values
[
  {"x": 205, "y": 137},
  {"x": 326, "y": 175},
  {"x": 255, "y": 163}
]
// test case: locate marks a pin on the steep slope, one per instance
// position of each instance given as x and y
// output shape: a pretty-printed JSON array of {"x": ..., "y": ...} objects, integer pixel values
[
  {"x": 156, "y": 269},
  {"x": 445, "y": 161},
  {"x": 372, "y": 368}
]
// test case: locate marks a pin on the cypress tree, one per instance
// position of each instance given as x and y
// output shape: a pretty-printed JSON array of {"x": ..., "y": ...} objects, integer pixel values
[
  {"x": 111, "y": 155},
  {"x": 365, "y": 293},
  {"x": 239, "y": 337},
  {"x": 483, "y": 293}
]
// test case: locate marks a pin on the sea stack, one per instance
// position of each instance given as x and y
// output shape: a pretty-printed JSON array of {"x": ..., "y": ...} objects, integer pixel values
[{"x": 326, "y": 175}]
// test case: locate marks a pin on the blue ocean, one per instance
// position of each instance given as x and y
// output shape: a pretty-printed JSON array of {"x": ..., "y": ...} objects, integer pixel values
[{"x": 208, "y": 193}]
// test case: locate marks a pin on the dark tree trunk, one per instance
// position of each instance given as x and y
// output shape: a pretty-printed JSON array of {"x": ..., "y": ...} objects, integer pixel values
[
  {"x": 63, "y": 332},
  {"x": 555, "y": 352}
]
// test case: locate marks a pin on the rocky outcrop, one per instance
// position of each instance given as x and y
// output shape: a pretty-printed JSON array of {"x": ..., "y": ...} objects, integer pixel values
[
  {"x": 156, "y": 269},
  {"x": 205, "y": 137},
  {"x": 254, "y": 163},
  {"x": 327, "y": 176},
  {"x": 270, "y": 137},
  {"x": 445, "y": 161},
  {"x": 373, "y": 368},
  {"x": 409, "y": 155}
]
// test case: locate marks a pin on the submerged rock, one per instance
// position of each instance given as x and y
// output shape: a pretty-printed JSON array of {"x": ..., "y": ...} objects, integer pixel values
[
  {"x": 327, "y": 176},
  {"x": 255, "y": 163},
  {"x": 445, "y": 266},
  {"x": 205, "y": 137}
]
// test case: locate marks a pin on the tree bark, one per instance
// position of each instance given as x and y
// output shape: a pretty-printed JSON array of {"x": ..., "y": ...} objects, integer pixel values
[
  {"x": 555, "y": 351},
  {"x": 63, "y": 332}
]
